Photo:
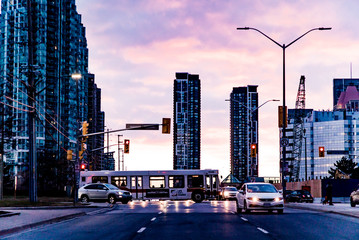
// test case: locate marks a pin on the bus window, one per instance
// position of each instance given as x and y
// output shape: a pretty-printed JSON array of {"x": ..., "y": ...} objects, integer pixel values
[
  {"x": 195, "y": 181},
  {"x": 119, "y": 181},
  {"x": 157, "y": 181},
  {"x": 99, "y": 179},
  {"x": 176, "y": 181}
]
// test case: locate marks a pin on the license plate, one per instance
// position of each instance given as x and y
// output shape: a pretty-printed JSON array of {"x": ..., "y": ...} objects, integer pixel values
[{"x": 266, "y": 204}]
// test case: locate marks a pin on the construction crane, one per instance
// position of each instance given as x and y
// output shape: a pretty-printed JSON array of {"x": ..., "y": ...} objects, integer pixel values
[{"x": 298, "y": 130}]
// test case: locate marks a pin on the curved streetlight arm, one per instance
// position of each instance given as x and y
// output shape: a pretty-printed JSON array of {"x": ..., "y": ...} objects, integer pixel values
[
  {"x": 321, "y": 29},
  {"x": 255, "y": 29},
  {"x": 271, "y": 100},
  {"x": 284, "y": 46}
]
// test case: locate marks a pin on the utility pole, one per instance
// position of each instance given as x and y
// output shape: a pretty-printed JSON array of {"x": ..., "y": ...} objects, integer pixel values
[
  {"x": 119, "y": 153},
  {"x": 31, "y": 101}
]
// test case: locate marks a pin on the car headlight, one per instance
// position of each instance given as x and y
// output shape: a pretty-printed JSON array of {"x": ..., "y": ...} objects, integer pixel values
[
  {"x": 226, "y": 194},
  {"x": 120, "y": 193},
  {"x": 254, "y": 199},
  {"x": 277, "y": 199}
]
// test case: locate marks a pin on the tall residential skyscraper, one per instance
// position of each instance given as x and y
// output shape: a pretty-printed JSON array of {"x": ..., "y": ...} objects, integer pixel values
[
  {"x": 51, "y": 34},
  {"x": 244, "y": 131},
  {"x": 187, "y": 122}
]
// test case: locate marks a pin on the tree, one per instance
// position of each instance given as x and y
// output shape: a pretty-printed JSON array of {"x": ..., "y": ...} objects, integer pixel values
[{"x": 344, "y": 165}]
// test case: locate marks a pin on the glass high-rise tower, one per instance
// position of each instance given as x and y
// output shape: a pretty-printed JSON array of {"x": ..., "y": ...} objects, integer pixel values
[
  {"x": 244, "y": 131},
  {"x": 187, "y": 121},
  {"x": 54, "y": 35}
]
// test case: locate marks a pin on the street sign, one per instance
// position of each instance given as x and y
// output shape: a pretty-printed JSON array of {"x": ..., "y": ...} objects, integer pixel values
[
  {"x": 284, "y": 142},
  {"x": 142, "y": 126}
]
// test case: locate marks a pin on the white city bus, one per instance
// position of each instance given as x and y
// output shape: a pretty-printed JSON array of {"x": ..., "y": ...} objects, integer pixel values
[{"x": 172, "y": 184}]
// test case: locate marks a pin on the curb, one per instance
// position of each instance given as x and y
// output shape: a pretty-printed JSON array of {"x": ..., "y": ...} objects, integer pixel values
[
  {"x": 54, "y": 220},
  {"x": 322, "y": 210},
  {"x": 8, "y": 214}
]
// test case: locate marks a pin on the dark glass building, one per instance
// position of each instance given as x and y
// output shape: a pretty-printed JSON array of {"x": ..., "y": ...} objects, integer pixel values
[
  {"x": 187, "y": 121},
  {"x": 244, "y": 131},
  {"x": 52, "y": 32}
]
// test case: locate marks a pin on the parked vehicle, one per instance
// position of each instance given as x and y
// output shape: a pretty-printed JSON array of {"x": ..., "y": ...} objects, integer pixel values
[
  {"x": 354, "y": 197},
  {"x": 103, "y": 192},
  {"x": 229, "y": 193},
  {"x": 259, "y": 196},
  {"x": 299, "y": 196}
]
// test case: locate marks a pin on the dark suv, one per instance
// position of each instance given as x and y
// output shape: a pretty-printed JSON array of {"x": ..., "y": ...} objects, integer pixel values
[
  {"x": 299, "y": 196},
  {"x": 103, "y": 192}
]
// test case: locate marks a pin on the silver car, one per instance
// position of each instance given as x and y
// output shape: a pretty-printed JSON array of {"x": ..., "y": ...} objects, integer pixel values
[{"x": 103, "y": 192}]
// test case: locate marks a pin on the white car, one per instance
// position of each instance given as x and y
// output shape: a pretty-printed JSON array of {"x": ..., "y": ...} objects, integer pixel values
[{"x": 259, "y": 196}]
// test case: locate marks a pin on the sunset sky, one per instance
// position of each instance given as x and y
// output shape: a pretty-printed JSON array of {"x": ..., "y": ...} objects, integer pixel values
[{"x": 136, "y": 47}]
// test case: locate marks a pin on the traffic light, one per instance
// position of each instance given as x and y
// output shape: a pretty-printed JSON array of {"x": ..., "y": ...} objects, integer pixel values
[
  {"x": 280, "y": 116},
  {"x": 253, "y": 150},
  {"x": 69, "y": 155},
  {"x": 83, "y": 167},
  {"x": 127, "y": 146},
  {"x": 321, "y": 152},
  {"x": 85, "y": 126},
  {"x": 166, "y": 125}
]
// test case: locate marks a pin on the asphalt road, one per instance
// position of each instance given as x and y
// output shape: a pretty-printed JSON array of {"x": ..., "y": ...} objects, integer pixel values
[{"x": 188, "y": 220}]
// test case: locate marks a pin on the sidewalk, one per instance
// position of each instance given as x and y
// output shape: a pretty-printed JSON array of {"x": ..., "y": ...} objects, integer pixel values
[
  {"x": 13, "y": 220},
  {"x": 338, "y": 208}
]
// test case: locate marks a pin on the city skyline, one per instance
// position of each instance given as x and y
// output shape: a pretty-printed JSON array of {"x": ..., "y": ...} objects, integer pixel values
[{"x": 136, "y": 47}]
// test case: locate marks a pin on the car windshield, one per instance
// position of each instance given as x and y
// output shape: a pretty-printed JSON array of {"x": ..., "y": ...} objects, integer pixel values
[
  {"x": 230, "y": 189},
  {"x": 261, "y": 188},
  {"x": 111, "y": 187}
]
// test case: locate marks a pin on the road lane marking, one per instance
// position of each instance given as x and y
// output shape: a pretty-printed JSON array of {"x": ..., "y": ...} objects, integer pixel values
[
  {"x": 262, "y": 230},
  {"x": 153, "y": 219},
  {"x": 141, "y": 230},
  {"x": 160, "y": 213},
  {"x": 244, "y": 219}
]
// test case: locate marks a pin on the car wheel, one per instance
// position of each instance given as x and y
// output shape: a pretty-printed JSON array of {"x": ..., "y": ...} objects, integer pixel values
[
  {"x": 280, "y": 211},
  {"x": 352, "y": 203},
  {"x": 85, "y": 199},
  {"x": 197, "y": 197},
  {"x": 112, "y": 199},
  {"x": 239, "y": 210},
  {"x": 246, "y": 210}
]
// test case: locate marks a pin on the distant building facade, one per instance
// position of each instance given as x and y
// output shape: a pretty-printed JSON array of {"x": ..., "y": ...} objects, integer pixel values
[
  {"x": 187, "y": 121},
  {"x": 336, "y": 131},
  {"x": 244, "y": 131},
  {"x": 340, "y": 85}
]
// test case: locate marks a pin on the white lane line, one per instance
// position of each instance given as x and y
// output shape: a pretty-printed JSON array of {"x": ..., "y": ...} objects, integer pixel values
[
  {"x": 244, "y": 219},
  {"x": 153, "y": 219},
  {"x": 141, "y": 230},
  {"x": 262, "y": 230},
  {"x": 160, "y": 213}
]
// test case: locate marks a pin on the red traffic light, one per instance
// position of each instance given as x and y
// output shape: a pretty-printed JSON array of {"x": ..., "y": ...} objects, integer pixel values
[
  {"x": 126, "y": 146},
  {"x": 321, "y": 151},
  {"x": 83, "y": 166}
]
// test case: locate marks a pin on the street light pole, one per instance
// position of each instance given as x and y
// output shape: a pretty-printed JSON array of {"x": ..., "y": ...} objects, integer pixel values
[
  {"x": 284, "y": 112},
  {"x": 251, "y": 111}
]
